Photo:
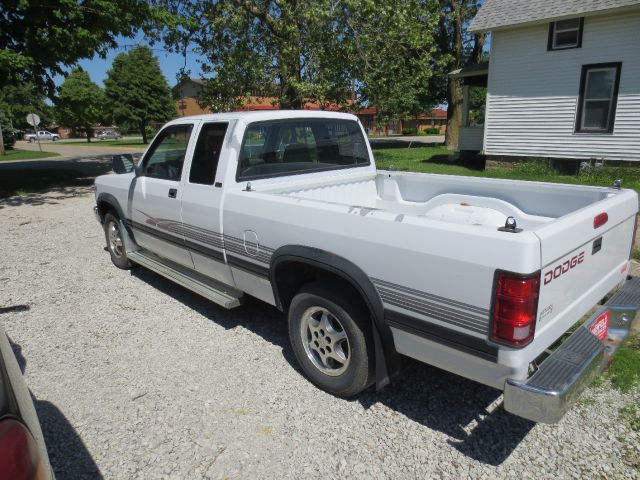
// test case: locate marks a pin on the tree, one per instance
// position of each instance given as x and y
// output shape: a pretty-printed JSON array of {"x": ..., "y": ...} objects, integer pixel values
[
  {"x": 79, "y": 102},
  {"x": 17, "y": 101},
  {"x": 38, "y": 39},
  {"x": 457, "y": 48},
  {"x": 323, "y": 51},
  {"x": 137, "y": 91},
  {"x": 392, "y": 52}
]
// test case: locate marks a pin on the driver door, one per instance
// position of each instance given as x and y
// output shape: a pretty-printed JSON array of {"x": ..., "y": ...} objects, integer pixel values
[{"x": 154, "y": 205}]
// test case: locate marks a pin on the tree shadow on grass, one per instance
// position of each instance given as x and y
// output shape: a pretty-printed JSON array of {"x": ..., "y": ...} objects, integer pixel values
[{"x": 427, "y": 395}]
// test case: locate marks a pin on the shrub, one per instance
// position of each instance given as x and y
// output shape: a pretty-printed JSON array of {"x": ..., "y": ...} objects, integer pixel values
[
  {"x": 409, "y": 131},
  {"x": 431, "y": 131}
]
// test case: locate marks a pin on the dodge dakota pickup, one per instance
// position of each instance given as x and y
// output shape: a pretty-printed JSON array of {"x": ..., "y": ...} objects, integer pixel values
[{"x": 477, "y": 276}]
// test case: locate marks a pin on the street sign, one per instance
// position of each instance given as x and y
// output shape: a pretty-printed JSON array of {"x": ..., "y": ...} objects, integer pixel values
[{"x": 33, "y": 119}]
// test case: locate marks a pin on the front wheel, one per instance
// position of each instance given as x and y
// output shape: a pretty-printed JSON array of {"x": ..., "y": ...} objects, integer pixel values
[
  {"x": 115, "y": 244},
  {"x": 330, "y": 334}
]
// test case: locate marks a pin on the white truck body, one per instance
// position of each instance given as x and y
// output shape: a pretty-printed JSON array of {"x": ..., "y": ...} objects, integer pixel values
[
  {"x": 41, "y": 135},
  {"x": 426, "y": 248}
]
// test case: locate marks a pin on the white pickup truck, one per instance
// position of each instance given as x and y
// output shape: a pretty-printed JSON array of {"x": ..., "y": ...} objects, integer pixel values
[
  {"x": 476, "y": 276},
  {"x": 41, "y": 135}
]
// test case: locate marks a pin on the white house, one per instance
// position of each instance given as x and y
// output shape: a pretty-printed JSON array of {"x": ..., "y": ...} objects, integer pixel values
[{"x": 563, "y": 80}]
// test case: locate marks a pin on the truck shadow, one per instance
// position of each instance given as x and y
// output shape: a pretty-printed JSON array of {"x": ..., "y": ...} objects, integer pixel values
[
  {"x": 68, "y": 455},
  {"x": 471, "y": 414},
  {"x": 427, "y": 395}
]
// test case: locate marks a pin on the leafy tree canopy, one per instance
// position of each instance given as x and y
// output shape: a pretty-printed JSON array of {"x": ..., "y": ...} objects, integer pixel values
[
  {"x": 39, "y": 39},
  {"x": 137, "y": 91},
  {"x": 79, "y": 102},
  {"x": 323, "y": 51},
  {"x": 17, "y": 101}
]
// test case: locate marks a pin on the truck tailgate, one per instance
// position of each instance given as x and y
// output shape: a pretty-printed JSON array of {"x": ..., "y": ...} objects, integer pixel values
[{"x": 582, "y": 260}]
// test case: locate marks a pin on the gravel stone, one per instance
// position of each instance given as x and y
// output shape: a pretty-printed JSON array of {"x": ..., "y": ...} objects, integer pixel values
[{"x": 137, "y": 378}]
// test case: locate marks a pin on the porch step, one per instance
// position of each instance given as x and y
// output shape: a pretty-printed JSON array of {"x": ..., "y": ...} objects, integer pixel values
[{"x": 216, "y": 292}]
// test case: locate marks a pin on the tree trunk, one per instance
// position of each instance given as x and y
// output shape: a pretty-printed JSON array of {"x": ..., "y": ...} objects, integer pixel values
[
  {"x": 2, "y": 152},
  {"x": 143, "y": 132},
  {"x": 454, "y": 113},
  {"x": 454, "y": 88},
  {"x": 88, "y": 131}
]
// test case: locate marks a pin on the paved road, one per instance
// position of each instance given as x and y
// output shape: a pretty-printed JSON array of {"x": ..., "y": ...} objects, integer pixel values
[{"x": 67, "y": 151}]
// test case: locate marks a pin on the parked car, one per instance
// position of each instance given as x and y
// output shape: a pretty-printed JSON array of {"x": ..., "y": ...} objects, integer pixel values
[
  {"x": 41, "y": 135},
  {"x": 476, "y": 276},
  {"x": 8, "y": 139},
  {"x": 23, "y": 453},
  {"x": 108, "y": 135}
]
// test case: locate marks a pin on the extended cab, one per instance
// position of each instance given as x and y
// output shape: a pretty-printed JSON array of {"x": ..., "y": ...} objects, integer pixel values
[{"x": 476, "y": 276}]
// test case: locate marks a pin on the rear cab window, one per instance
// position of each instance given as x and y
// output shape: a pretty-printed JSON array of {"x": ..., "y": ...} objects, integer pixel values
[{"x": 304, "y": 145}]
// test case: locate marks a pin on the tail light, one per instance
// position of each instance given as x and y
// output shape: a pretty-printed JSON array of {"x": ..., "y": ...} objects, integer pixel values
[
  {"x": 19, "y": 457},
  {"x": 515, "y": 307}
]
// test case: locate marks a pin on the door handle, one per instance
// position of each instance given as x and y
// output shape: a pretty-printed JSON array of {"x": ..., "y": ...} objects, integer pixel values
[{"x": 173, "y": 192}]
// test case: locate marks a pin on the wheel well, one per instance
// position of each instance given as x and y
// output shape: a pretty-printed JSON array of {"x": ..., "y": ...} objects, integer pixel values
[
  {"x": 105, "y": 207},
  {"x": 291, "y": 276}
]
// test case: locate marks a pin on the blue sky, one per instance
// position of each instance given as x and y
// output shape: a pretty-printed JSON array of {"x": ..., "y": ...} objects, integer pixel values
[{"x": 170, "y": 63}]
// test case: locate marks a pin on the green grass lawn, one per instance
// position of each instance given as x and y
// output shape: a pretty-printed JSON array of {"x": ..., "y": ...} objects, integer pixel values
[
  {"x": 15, "y": 154},
  {"x": 439, "y": 160},
  {"x": 125, "y": 143}
]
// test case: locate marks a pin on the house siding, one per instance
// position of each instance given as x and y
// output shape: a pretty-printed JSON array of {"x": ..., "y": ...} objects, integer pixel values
[{"x": 533, "y": 93}]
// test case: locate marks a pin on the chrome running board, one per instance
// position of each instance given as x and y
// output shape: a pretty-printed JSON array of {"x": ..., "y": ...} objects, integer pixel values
[{"x": 218, "y": 293}]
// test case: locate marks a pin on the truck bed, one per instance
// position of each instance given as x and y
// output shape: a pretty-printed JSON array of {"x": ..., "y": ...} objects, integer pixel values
[{"x": 471, "y": 201}]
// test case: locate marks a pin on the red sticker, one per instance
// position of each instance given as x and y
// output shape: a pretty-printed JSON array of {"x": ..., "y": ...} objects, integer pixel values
[{"x": 601, "y": 326}]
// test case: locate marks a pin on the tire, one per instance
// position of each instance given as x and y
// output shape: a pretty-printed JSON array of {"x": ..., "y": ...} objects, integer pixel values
[
  {"x": 115, "y": 245},
  {"x": 330, "y": 334}
]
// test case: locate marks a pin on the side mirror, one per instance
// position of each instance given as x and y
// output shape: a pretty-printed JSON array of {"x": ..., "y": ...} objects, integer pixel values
[{"x": 123, "y": 163}]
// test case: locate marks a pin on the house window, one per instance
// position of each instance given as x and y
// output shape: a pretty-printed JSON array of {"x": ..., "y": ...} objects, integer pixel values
[
  {"x": 565, "y": 34},
  {"x": 598, "y": 97}
]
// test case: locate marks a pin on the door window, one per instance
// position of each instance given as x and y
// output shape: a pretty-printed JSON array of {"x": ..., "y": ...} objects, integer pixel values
[
  {"x": 207, "y": 153},
  {"x": 166, "y": 156}
]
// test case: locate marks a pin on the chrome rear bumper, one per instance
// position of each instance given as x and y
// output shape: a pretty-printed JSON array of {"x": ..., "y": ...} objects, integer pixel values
[{"x": 549, "y": 392}]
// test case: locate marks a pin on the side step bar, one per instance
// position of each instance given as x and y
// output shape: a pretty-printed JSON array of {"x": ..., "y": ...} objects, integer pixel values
[{"x": 210, "y": 289}]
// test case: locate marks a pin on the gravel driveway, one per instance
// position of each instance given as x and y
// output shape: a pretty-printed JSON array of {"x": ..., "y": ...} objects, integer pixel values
[{"x": 135, "y": 377}]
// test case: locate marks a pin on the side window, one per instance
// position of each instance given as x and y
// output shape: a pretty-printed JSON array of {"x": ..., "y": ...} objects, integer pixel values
[
  {"x": 565, "y": 34},
  {"x": 207, "y": 153},
  {"x": 598, "y": 98},
  {"x": 166, "y": 155}
]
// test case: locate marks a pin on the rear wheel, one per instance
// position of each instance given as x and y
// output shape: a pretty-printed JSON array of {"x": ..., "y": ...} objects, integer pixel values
[
  {"x": 331, "y": 337},
  {"x": 115, "y": 243}
]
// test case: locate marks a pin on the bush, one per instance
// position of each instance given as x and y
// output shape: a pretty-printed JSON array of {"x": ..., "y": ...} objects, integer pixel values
[
  {"x": 409, "y": 131},
  {"x": 431, "y": 131}
]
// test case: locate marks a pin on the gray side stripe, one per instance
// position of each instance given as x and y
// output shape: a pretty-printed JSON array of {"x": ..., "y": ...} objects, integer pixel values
[
  {"x": 428, "y": 296},
  {"x": 215, "y": 239},
  {"x": 456, "y": 313},
  {"x": 438, "y": 312}
]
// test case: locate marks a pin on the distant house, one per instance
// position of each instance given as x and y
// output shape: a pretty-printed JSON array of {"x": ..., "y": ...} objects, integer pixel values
[
  {"x": 186, "y": 94},
  {"x": 563, "y": 80}
]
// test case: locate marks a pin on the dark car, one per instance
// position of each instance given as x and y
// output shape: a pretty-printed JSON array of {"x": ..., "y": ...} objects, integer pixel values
[
  {"x": 8, "y": 139},
  {"x": 23, "y": 454}
]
